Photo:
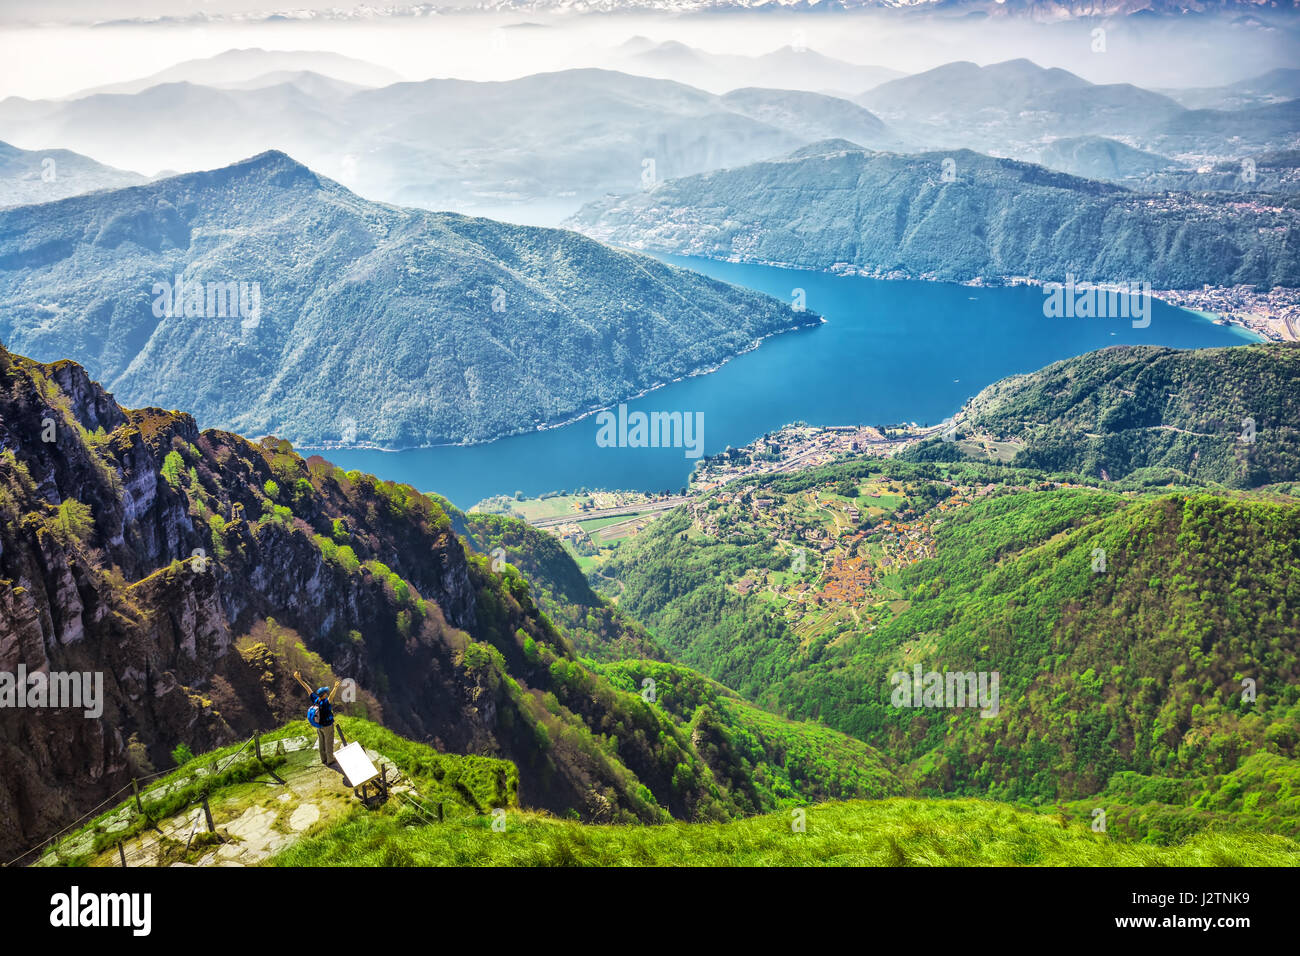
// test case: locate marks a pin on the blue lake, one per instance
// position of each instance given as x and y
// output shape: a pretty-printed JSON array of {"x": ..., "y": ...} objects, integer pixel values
[{"x": 890, "y": 351}]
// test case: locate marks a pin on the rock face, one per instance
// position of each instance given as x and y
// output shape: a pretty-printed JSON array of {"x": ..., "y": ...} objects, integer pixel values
[{"x": 194, "y": 571}]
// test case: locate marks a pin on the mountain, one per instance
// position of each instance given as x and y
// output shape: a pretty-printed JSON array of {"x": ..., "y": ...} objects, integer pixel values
[
  {"x": 43, "y": 175},
  {"x": 553, "y": 138},
  {"x": 952, "y": 216},
  {"x": 1134, "y": 409},
  {"x": 964, "y": 86},
  {"x": 313, "y": 84},
  {"x": 1272, "y": 87},
  {"x": 1005, "y": 108},
  {"x": 1272, "y": 127},
  {"x": 368, "y": 323},
  {"x": 254, "y": 67},
  {"x": 1096, "y": 157},
  {"x": 196, "y": 571},
  {"x": 787, "y": 68},
  {"x": 574, "y": 134},
  {"x": 1276, "y": 172},
  {"x": 811, "y": 116},
  {"x": 181, "y": 125}
]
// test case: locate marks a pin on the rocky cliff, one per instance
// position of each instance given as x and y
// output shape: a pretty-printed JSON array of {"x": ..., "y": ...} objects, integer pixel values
[{"x": 195, "y": 570}]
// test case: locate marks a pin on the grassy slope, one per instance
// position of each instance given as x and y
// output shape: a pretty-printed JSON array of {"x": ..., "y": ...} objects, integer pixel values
[
  {"x": 895, "y": 832},
  {"x": 464, "y": 785},
  {"x": 889, "y": 832}
]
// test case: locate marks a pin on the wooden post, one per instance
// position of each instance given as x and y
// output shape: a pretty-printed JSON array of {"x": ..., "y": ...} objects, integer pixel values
[
  {"x": 257, "y": 745},
  {"x": 121, "y": 852},
  {"x": 439, "y": 811},
  {"x": 207, "y": 813},
  {"x": 135, "y": 787}
]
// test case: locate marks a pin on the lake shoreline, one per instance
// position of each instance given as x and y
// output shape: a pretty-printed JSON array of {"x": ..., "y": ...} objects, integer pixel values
[
  {"x": 1285, "y": 331},
  {"x": 887, "y": 352},
  {"x": 548, "y": 426}
]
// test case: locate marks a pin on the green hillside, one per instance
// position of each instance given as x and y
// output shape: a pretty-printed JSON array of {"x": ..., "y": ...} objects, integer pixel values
[
  {"x": 598, "y": 628},
  {"x": 402, "y": 329},
  {"x": 1229, "y": 416},
  {"x": 1137, "y": 667}
]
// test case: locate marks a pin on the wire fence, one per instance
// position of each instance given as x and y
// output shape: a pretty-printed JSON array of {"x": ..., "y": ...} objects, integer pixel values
[
  {"x": 146, "y": 845},
  {"x": 39, "y": 849}
]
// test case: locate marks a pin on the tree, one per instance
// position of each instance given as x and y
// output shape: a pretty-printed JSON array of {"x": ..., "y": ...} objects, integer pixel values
[
  {"x": 73, "y": 522},
  {"x": 172, "y": 467}
]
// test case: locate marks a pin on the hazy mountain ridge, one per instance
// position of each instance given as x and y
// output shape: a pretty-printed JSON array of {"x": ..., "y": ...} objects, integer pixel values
[
  {"x": 1012, "y": 108},
  {"x": 238, "y": 67},
  {"x": 786, "y": 68},
  {"x": 549, "y": 137},
  {"x": 30, "y": 176},
  {"x": 1097, "y": 157}
]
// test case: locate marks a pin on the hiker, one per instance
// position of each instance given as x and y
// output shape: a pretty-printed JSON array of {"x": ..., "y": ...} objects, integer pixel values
[{"x": 321, "y": 716}]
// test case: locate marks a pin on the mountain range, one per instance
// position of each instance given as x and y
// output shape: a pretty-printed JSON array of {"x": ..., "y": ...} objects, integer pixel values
[
  {"x": 362, "y": 323},
  {"x": 255, "y": 67},
  {"x": 537, "y": 147},
  {"x": 996, "y": 107},
  {"x": 553, "y": 138},
  {"x": 787, "y": 68},
  {"x": 1011, "y": 108},
  {"x": 953, "y": 216}
]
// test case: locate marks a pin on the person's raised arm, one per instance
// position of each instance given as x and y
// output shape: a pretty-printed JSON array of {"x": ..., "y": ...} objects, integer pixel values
[
  {"x": 334, "y": 690},
  {"x": 305, "y": 685}
]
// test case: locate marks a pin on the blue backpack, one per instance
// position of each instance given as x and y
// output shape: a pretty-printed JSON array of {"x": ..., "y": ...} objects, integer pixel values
[{"x": 320, "y": 713}]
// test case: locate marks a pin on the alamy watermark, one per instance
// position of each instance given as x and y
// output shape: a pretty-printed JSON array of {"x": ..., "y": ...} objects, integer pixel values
[
  {"x": 1087, "y": 300},
  {"x": 651, "y": 430},
  {"x": 76, "y": 690},
  {"x": 193, "y": 299},
  {"x": 949, "y": 689}
]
